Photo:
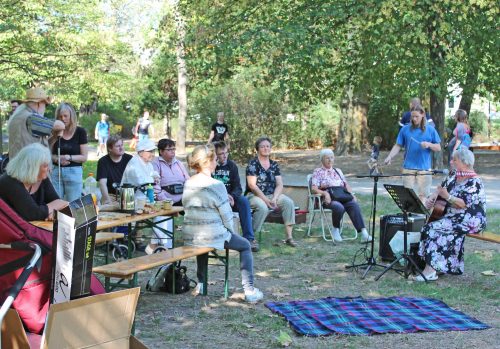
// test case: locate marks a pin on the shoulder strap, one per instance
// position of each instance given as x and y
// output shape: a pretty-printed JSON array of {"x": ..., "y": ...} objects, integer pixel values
[{"x": 342, "y": 179}]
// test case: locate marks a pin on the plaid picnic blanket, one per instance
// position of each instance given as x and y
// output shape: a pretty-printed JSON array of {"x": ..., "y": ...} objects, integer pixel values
[{"x": 364, "y": 317}]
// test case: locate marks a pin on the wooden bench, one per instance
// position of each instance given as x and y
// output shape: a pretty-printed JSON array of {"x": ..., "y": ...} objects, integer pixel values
[
  {"x": 486, "y": 236},
  {"x": 128, "y": 269}
]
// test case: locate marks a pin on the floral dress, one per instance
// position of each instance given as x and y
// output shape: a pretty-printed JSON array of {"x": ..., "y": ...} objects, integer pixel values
[{"x": 442, "y": 241}]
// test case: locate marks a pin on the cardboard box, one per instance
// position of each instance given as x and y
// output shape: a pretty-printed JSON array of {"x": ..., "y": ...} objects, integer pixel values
[
  {"x": 102, "y": 321},
  {"x": 74, "y": 241}
]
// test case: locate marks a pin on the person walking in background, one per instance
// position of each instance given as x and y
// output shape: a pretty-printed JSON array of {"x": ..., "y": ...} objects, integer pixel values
[
  {"x": 419, "y": 141},
  {"x": 461, "y": 134},
  {"x": 227, "y": 172},
  {"x": 28, "y": 125},
  {"x": 219, "y": 131},
  {"x": 69, "y": 152},
  {"x": 110, "y": 167},
  {"x": 102, "y": 133},
  {"x": 143, "y": 126},
  {"x": 265, "y": 187}
]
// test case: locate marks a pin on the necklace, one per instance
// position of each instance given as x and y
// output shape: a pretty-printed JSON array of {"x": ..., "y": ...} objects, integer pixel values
[{"x": 465, "y": 174}]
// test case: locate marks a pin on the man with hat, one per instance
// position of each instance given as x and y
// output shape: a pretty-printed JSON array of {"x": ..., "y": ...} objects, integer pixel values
[{"x": 28, "y": 125}]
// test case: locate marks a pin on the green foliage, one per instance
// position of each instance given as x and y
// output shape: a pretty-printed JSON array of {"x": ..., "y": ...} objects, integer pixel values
[{"x": 478, "y": 122}]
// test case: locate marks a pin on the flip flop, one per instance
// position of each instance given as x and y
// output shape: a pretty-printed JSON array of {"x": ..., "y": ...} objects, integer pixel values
[{"x": 431, "y": 277}]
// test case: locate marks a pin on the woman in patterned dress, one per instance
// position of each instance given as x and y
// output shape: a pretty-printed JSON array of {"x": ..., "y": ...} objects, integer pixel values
[{"x": 442, "y": 240}]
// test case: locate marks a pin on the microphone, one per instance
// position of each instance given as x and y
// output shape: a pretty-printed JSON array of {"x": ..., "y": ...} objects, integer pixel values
[{"x": 444, "y": 171}]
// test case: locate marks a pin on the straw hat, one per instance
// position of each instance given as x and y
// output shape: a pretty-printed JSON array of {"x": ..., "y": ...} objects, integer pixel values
[{"x": 37, "y": 94}]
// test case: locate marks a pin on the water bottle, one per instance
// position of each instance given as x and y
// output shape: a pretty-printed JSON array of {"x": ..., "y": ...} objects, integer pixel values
[
  {"x": 90, "y": 187},
  {"x": 150, "y": 193}
]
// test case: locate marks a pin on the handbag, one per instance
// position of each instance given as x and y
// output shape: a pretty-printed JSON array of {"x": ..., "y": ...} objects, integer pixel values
[{"x": 339, "y": 193}]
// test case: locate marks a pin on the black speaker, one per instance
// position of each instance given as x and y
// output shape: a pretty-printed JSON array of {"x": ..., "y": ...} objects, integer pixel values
[{"x": 389, "y": 225}]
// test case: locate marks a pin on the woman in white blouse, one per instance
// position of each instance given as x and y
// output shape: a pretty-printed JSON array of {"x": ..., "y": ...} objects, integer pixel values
[{"x": 323, "y": 180}]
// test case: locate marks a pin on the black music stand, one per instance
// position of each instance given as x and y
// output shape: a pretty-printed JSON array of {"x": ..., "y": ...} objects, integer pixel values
[
  {"x": 407, "y": 201},
  {"x": 371, "y": 261}
]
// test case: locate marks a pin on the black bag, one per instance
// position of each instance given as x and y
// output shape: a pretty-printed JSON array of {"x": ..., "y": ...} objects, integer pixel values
[
  {"x": 163, "y": 280},
  {"x": 174, "y": 189},
  {"x": 340, "y": 194}
]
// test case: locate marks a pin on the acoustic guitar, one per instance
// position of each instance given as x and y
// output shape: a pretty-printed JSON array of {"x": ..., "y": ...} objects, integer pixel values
[{"x": 437, "y": 209}]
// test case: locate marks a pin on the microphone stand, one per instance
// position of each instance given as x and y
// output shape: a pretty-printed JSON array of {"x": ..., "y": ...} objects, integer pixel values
[
  {"x": 59, "y": 162},
  {"x": 371, "y": 261}
]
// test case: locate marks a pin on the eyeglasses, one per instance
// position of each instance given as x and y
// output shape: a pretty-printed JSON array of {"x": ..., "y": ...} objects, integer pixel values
[{"x": 169, "y": 149}]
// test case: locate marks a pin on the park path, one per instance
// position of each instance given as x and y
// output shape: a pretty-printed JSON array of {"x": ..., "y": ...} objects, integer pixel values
[{"x": 297, "y": 164}]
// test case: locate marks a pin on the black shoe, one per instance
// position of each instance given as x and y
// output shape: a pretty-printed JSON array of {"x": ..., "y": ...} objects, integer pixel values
[{"x": 255, "y": 245}]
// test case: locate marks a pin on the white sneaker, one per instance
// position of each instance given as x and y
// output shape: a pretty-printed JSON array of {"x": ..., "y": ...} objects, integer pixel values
[
  {"x": 254, "y": 295},
  {"x": 198, "y": 289},
  {"x": 365, "y": 237},
  {"x": 336, "y": 234}
]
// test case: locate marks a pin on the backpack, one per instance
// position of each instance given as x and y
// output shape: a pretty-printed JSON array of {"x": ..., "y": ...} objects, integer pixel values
[{"x": 162, "y": 281}]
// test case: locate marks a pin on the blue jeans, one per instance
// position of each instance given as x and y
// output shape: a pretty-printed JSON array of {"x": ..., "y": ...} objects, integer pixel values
[
  {"x": 71, "y": 185},
  {"x": 352, "y": 209},
  {"x": 242, "y": 206},
  {"x": 239, "y": 244}
]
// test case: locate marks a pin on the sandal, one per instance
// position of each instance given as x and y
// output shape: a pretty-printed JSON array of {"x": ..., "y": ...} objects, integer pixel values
[
  {"x": 431, "y": 277},
  {"x": 290, "y": 242}
]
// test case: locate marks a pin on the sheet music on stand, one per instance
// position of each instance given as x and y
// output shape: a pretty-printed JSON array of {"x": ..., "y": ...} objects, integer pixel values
[
  {"x": 408, "y": 202},
  {"x": 406, "y": 199}
]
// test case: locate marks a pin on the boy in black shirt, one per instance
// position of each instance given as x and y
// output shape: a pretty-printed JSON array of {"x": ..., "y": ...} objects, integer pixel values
[{"x": 227, "y": 172}]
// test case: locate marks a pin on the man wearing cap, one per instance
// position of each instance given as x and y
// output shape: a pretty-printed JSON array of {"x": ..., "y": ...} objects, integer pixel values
[{"x": 28, "y": 125}]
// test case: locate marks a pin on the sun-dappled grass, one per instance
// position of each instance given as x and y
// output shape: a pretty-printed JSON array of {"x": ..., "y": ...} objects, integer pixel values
[{"x": 313, "y": 270}]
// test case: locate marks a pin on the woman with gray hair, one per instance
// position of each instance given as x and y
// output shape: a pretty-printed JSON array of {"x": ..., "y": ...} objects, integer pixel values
[
  {"x": 26, "y": 187},
  {"x": 441, "y": 244},
  {"x": 325, "y": 181}
]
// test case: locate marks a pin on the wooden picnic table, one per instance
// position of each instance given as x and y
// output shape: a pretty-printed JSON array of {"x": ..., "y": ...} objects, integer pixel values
[{"x": 119, "y": 218}]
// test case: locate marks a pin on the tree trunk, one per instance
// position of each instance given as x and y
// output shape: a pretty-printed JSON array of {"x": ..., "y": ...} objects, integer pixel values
[
  {"x": 166, "y": 126},
  {"x": 437, "y": 112},
  {"x": 468, "y": 90},
  {"x": 182, "y": 77},
  {"x": 353, "y": 127}
]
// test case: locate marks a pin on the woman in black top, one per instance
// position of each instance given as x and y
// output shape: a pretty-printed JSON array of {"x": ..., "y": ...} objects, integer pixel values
[
  {"x": 26, "y": 187},
  {"x": 67, "y": 179}
]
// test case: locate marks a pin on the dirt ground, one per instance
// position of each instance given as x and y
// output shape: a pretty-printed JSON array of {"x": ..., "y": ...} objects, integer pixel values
[{"x": 317, "y": 269}]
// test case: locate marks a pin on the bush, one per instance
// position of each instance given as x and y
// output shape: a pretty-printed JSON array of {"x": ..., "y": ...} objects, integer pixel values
[{"x": 252, "y": 111}]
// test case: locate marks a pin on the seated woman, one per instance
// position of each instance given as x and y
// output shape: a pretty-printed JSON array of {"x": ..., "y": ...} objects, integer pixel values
[
  {"x": 139, "y": 172},
  {"x": 265, "y": 186},
  {"x": 172, "y": 172},
  {"x": 322, "y": 182},
  {"x": 208, "y": 219},
  {"x": 442, "y": 240},
  {"x": 25, "y": 185}
]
